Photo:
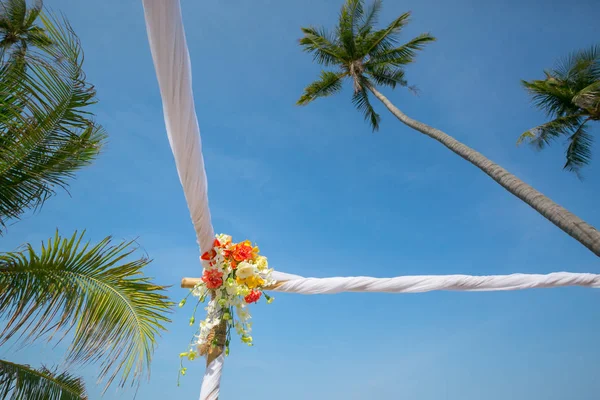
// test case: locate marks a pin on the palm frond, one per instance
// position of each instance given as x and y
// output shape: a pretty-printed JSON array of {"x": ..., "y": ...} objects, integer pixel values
[
  {"x": 14, "y": 11},
  {"x": 350, "y": 15},
  {"x": 369, "y": 19},
  {"x": 402, "y": 55},
  {"x": 385, "y": 39},
  {"x": 33, "y": 13},
  {"x": 360, "y": 99},
  {"x": 46, "y": 131},
  {"x": 386, "y": 76},
  {"x": 17, "y": 28},
  {"x": 323, "y": 48},
  {"x": 542, "y": 135},
  {"x": 114, "y": 312},
  {"x": 579, "y": 151},
  {"x": 328, "y": 84},
  {"x": 580, "y": 66},
  {"x": 18, "y": 382},
  {"x": 588, "y": 99},
  {"x": 553, "y": 96},
  {"x": 38, "y": 37}
]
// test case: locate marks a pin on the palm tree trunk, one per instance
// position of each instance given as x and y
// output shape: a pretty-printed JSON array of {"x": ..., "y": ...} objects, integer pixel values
[{"x": 581, "y": 231}]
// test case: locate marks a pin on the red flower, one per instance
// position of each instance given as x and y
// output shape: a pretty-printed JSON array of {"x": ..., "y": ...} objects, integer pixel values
[
  {"x": 252, "y": 297},
  {"x": 216, "y": 243},
  {"x": 242, "y": 251},
  {"x": 208, "y": 255},
  {"x": 212, "y": 278}
]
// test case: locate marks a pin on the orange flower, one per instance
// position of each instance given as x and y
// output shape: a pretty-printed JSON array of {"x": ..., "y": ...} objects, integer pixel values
[
  {"x": 243, "y": 251},
  {"x": 208, "y": 255}
]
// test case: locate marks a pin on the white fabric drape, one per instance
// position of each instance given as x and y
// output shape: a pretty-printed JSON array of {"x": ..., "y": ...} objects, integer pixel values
[
  {"x": 427, "y": 283},
  {"x": 173, "y": 70},
  {"x": 211, "y": 382}
]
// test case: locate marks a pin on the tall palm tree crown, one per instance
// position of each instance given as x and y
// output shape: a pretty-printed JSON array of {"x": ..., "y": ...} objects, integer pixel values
[
  {"x": 570, "y": 95},
  {"x": 365, "y": 55},
  {"x": 18, "y": 30}
]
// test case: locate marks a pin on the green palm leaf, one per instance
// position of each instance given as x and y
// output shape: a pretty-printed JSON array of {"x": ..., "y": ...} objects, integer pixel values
[
  {"x": 46, "y": 132},
  {"x": 385, "y": 39},
  {"x": 329, "y": 84},
  {"x": 544, "y": 134},
  {"x": 19, "y": 382},
  {"x": 579, "y": 67},
  {"x": 321, "y": 46},
  {"x": 588, "y": 99},
  {"x": 579, "y": 151},
  {"x": 360, "y": 99},
  {"x": 552, "y": 96},
  {"x": 404, "y": 54},
  {"x": 385, "y": 76},
  {"x": 95, "y": 292},
  {"x": 350, "y": 16},
  {"x": 369, "y": 18}
]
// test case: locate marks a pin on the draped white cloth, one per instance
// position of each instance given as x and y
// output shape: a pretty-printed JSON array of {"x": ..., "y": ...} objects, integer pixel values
[
  {"x": 211, "y": 383},
  {"x": 428, "y": 283},
  {"x": 172, "y": 63},
  {"x": 173, "y": 70}
]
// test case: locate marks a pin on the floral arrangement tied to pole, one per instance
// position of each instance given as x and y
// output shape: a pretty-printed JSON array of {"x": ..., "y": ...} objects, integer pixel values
[{"x": 234, "y": 276}]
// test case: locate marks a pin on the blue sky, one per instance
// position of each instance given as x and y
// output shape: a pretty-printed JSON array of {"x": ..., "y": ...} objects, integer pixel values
[{"x": 323, "y": 196}]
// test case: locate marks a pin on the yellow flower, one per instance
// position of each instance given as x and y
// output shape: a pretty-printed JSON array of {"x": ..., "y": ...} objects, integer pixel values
[
  {"x": 261, "y": 263},
  {"x": 254, "y": 282},
  {"x": 251, "y": 282}
]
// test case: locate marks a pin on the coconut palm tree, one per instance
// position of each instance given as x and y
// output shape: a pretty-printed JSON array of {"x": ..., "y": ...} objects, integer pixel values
[
  {"x": 570, "y": 95},
  {"x": 46, "y": 131},
  {"x": 18, "y": 30},
  {"x": 95, "y": 294},
  {"x": 370, "y": 58}
]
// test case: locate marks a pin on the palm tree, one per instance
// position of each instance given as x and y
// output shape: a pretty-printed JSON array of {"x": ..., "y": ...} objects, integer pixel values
[
  {"x": 18, "y": 30},
  {"x": 370, "y": 57},
  {"x": 46, "y": 131},
  {"x": 95, "y": 293},
  {"x": 570, "y": 95}
]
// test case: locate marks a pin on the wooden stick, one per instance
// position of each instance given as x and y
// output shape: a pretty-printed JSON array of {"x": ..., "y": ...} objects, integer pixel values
[{"x": 189, "y": 283}]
